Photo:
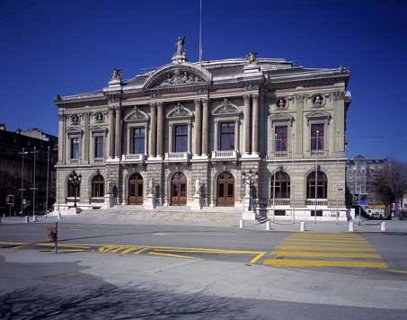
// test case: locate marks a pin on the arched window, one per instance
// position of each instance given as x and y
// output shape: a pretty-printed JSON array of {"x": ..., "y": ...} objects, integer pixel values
[
  {"x": 317, "y": 183},
  {"x": 281, "y": 181},
  {"x": 72, "y": 188},
  {"x": 98, "y": 186}
]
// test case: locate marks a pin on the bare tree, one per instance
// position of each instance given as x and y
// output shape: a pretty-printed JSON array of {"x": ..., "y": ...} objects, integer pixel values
[{"x": 391, "y": 182}]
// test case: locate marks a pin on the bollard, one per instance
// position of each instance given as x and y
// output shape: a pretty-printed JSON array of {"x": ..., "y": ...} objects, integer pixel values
[
  {"x": 0, "y": 219},
  {"x": 383, "y": 226},
  {"x": 302, "y": 226},
  {"x": 241, "y": 224},
  {"x": 268, "y": 225},
  {"x": 27, "y": 219},
  {"x": 351, "y": 226},
  {"x": 34, "y": 218}
]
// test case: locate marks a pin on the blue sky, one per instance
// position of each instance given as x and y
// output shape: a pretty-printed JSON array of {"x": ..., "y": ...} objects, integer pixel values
[{"x": 66, "y": 47}]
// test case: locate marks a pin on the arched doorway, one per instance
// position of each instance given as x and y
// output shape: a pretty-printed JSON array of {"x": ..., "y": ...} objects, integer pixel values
[
  {"x": 135, "y": 189},
  {"x": 226, "y": 190},
  {"x": 178, "y": 189}
]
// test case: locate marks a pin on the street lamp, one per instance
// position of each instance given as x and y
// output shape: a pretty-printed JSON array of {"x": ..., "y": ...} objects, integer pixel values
[
  {"x": 75, "y": 180},
  {"x": 250, "y": 179},
  {"x": 316, "y": 176}
]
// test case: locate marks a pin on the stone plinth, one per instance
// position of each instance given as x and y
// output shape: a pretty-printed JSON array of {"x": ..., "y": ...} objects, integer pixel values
[
  {"x": 196, "y": 203},
  {"x": 150, "y": 203}
]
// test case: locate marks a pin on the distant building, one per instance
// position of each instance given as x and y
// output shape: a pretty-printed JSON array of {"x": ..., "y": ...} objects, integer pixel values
[
  {"x": 360, "y": 174},
  {"x": 17, "y": 162},
  {"x": 188, "y": 131}
]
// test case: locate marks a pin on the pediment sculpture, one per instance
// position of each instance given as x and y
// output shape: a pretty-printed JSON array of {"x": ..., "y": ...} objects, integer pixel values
[
  {"x": 178, "y": 77},
  {"x": 136, "y": 115},
  {"x": 179, "y": 112},
  {"x": 226, "y": 108}
]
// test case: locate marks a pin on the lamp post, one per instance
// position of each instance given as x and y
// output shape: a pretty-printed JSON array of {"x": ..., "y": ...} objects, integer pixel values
[
  {"x": 34, "y": 218},
  {"x": 293, "y": 184},
  {"x": 22, "y": 180},
  {"x": 75, "y": 180},
  {"x": 250, "y": 179},
  {"x": 316, "y": 177}
]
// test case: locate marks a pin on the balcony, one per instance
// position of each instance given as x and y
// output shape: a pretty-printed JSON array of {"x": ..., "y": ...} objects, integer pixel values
[
  {"x": 224, "y": 155},
  {"x": 317, "y": 202},
  {"x": 177, "y": 157},
  {"x": 133, "y": 158},
  {"x": 280, "y": 202}
]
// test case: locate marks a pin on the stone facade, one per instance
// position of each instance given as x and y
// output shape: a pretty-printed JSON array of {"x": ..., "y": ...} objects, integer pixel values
[{"x": 176, "y": 118}]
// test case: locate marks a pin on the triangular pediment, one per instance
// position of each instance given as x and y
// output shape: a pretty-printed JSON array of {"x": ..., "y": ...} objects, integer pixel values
[
  {"x": 184, "y": 74},
  {"x": 136, "y": 115},
  {"x": 319, "y": 115},
  {"x": 282, "y": 117},
  {"x": 179, "y": 111},
  {"x": 226, "y": 108}
]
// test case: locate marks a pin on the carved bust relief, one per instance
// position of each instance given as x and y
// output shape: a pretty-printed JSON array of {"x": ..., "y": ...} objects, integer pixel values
[
  {"x": 282, "y": 103},
  {"x": 75, "y": 119},
  {"x": 318, "y": 101},
  {"x": 178, "y": 77},
  {"x": 99, "y": 117}
]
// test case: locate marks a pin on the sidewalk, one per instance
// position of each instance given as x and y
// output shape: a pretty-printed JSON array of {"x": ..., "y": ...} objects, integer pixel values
[{"x": 374, "y": 226}]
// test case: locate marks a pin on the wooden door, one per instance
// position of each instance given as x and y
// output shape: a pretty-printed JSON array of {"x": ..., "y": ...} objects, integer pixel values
[
  {"x": 136, "y": 189},
  {"x": 226, "y": 190},
  {"x": 179, "y": 190}
]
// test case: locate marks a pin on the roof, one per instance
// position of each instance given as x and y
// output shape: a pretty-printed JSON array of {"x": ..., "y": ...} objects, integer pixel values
[{"x": 213, "y": 72}]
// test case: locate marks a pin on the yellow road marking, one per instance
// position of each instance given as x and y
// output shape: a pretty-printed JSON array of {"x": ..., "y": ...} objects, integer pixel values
[
  {"x": 325, "y": 254},
  {"x": 398, "y": 271},
  {"x": 324, "y": 263},
  {"x": 170, "y": 255},
  {"x": 61, "y": 245},
  {"x": 130, "y": 249},
  {"x": 12, "y": 243},
  {"x": 140, "y": 251},
  {"x": 358, "y": 242},
  {"x": 258, "y": 257},
  {"x": 200, "y": 250},
  {"x": 70, "y": 250},
  {"x": 325, "y": 243},
  {"x": 305, "y": 236},
  {"x": 317, "y": 248}
]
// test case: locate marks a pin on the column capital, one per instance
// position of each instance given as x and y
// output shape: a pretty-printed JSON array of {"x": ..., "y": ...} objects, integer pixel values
[
  {"x": 205, "y": 101},
  {"x": 246, "y": 97},
  {"x": 197, "y": 102},
  {"x": 255, "y": 96}
]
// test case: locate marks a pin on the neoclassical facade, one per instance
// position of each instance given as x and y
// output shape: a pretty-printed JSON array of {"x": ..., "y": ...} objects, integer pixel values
[{"x": 222, "y": 133}]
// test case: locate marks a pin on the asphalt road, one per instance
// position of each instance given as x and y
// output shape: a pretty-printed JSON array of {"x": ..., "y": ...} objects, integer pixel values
[
  {"x": 226, "y": 244},
  {"x": 176, "y": 272}
]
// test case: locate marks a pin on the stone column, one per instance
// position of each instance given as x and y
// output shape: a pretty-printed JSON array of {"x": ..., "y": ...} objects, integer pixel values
[
  {"x": 153, "y": 130},
  {"x": 61, "y": 135},
  {"x": 198, "y": 129},
  {"x": 246, "y": 115},
  {"x": 111, "y": 132},
  {"x": 160, "y": 129},
  {"x": 205, "y": 120},
  {"x": 87, "y": 138},
  {"x": 255, "y": 124},
  {"x": 118, "y": 135}
]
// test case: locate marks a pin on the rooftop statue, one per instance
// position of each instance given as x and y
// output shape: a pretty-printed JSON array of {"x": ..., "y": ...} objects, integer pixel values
[
  {"x": 179, "y": 45},
  {"x": 116, "y": 74},
  {"x": 251, "y": 57}
]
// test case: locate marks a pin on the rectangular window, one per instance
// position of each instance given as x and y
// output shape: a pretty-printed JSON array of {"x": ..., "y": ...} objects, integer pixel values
[
  {"x": 317, "y": 136},
  {"x": 181, "y": 138},
  {"x": 75, "y": 147},
  {"x": 137, "y": 141},
  {"x": 281, "y": 138},
  {"x": 227, "y": 136},
  {"x": 99, "y": 147}
]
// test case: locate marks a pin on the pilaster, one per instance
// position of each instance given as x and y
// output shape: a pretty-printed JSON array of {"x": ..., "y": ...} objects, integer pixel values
[
  {"x": 160, "y": 130},
  {"x": 246, "y": 127},
  {"x": 205, "y": 121},
  {"x": 153, "y": 130},
  {"x": 198, "y": 130},
  {"x": 255, "y": 124}
]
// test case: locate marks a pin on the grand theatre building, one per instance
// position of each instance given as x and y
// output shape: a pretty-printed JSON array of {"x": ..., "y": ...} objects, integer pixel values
[{"x": 227, "y": 133}]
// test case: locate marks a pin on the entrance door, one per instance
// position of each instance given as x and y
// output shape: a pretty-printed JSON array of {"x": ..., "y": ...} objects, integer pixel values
[
  {"x": 178, "y": 189},
  {"x": 226, "y": 190},
  {"x": 136, "y": 189}
]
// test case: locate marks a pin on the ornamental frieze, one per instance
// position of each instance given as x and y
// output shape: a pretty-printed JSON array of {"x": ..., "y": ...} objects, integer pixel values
[{"x": 177, "y": 78}]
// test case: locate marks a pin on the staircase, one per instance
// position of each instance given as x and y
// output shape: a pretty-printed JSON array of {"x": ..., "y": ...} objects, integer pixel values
[{"x": 218, "y": 215}]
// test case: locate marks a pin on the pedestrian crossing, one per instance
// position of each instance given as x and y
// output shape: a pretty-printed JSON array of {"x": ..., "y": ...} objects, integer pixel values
[{"x": 325, "y": 250}]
